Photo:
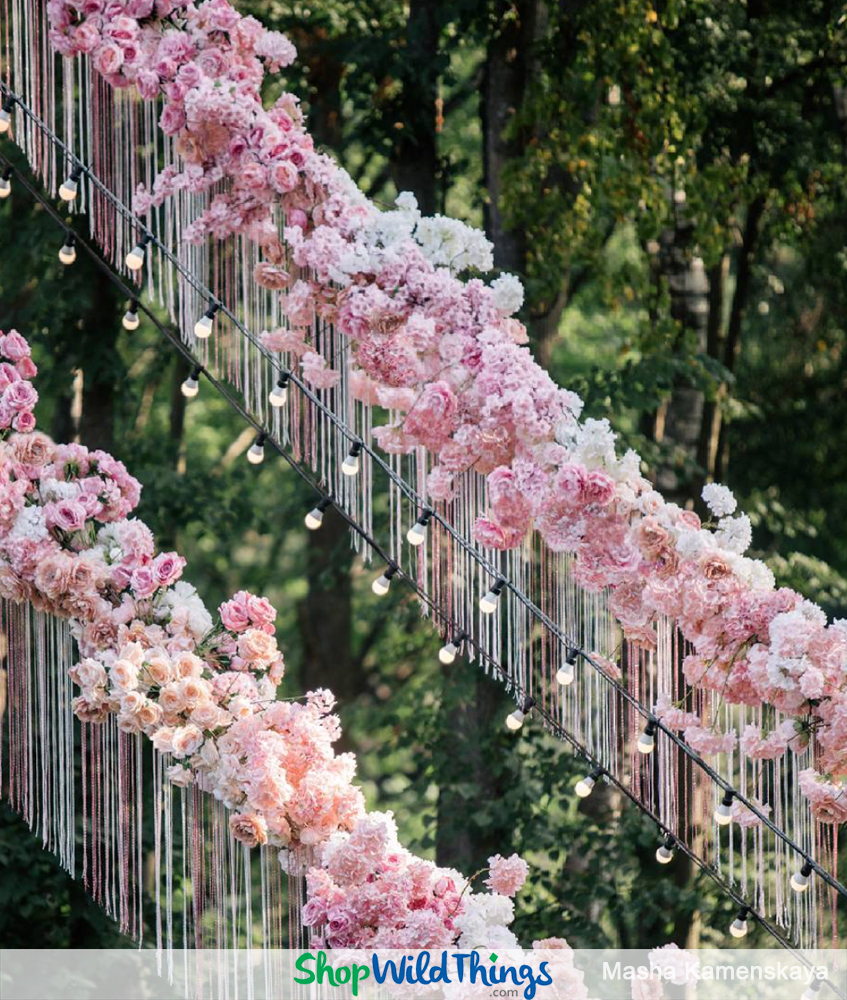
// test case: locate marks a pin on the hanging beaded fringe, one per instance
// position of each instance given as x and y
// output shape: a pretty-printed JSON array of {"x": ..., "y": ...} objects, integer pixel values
[{"x": 118, "y": 136}]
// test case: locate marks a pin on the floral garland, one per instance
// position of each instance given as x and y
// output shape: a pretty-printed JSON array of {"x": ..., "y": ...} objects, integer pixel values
[
  {"x": 203, "y": 691},
  {"x": 446, "y": 355}
]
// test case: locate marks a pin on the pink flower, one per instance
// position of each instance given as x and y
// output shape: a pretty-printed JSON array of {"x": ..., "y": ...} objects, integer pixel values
[
  {"x": 20, "y": 396},
  {"x": 235, "y": 613},
  {"x": 432, "y": 418},
  {"x": 167, "y": 568},
  {"x": 68, "y": 515},
  {"x": 316, "y": 371},
  {"x": 108, "y": 58},
  {"x": 14, "y": 347},
  {"x": 507, "y": 875}
]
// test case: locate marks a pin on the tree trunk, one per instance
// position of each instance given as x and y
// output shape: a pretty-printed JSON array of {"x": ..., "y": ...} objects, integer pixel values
[
  {"x": 101, "y": 328},
  {"x": 680, "y": 422},
  {"x": 414, "y": 155}
]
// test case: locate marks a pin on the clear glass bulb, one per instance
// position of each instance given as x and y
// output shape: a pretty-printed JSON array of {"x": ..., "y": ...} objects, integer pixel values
[
  {"x": 203, "y": 327},
  {"x": 67, "y": 255},
  {"x": 256, "y": 454},
  {"x": 514, "y": 720},
  {"x": 723, "y": 814},
  {"x": 646, "y": 743},
  {"x": 585, "y": 786},
  {"x": 416, "y": 535},
  {"x": 380, "y": 585},
  {"x": 812, "y": 991},
  {"x": 314, "y": 519},
  {"x": 5, "y": 187},
  {"x": 130, "y": 320},
  {"x": 565, "y": 674},
  {"x": 278, "y": 396},
  {"x": 799, "y": 882},
  {"x": 68, "y": 189},
  {"x": 738, "y": 928},
  {"x": 190, "y": 387},
  {"x": 5, "y": 121},
  {"x": 488, "y": 603},
  {"x": 448, "y": 652},
  {"x": 664, "y": 855},
  {"x": 350, "y": 465},
  {"x": 135, "y": 258}
]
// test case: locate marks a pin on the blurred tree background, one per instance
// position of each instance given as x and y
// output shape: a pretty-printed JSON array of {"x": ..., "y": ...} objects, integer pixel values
[{"x": 669, "y": 181}]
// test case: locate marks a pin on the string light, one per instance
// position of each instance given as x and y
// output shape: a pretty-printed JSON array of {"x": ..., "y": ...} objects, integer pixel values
[
  {"x": 647, "y": 740},
  {"x": 416, "y": 535},
  {"x": 191, "y": 386},
  {"x": 203, "y": 326},
  {"x": 256, "y": 453},
  {"x": 565, "y": 674},
  {"x": 68, "y": 188},
  {"x": 514, "y": 720},
  {"x": 279, "y": 393},
  {"x": 135, "y": 258},
  {"x": 800, "y": 880},
  {"x": 450, "y": 650},
  {"x": 67, "y": 255},
  {"x": 664, "y": 853},
  {"x": 812, "y": 990},
  {"x": 315, "y": 518},
  {"x": 382, "y": 583},
  {"x": 585, "y": 786},
  {"x": 350, "y": 465},
  {"x": 488, "y": 603},
  {"x": 130, "y": 320},
  {"x": 6, "y": 114},
  {"x": 6, "y": 183},
  {"x": 738, "y": 927},
  {"x": 723, "y": 813}
]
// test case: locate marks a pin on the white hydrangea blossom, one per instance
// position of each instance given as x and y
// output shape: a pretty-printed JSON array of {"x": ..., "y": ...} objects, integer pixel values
[
  {"x": 754, "y": 574},
  {"x": 719, "y": 499},
  {"x": 454, "y": 245},
  {"x": 734, "y": 534},
  {"x": 30, "y": 524},
  {"x": 594, "y": 444},
  {"x": 508, "y": 294},
  {"x": 184, "y": 596},
  {"x": 484, "y": 921},
  {"x": 57, "y": 489}
]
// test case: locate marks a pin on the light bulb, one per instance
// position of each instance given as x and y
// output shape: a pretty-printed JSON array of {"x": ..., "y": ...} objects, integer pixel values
[
  {"x": 6, "y": 115},
  {"x": 67, "y": 255},
  {"x": 812, "y": 991},
  {"x": 68, "y": 188},
  {"x": 488, "y": 603},
  {"x": 565, "y": 674},
  {"x": 664, "y": 853},
  {"x": 738, "y": 927},
  {"x": 131, "y": 320},
  {"x": 416, "y": 535},
  {"x": 191, "y": 386},
  {"x": 315, "y": 518},
  {"x": 256, "y": 453},
  {"x": 450, "y": 650},
  {"x": 800, "y": 880},
  {"x": 203, "y": 326},
  {"x": 135, "y": 258},
  {"x": 382, "y": 583},
  {"x": 647, "y": 740},
  {"x": 350, "y": 465},
  {"x": 279, "y": 393},
  {"x": 723, "y": 813},
  {"x": 585, "y": 786},
  {"x": 514, "y": 720},
  {"x": 6, "y": 183}
]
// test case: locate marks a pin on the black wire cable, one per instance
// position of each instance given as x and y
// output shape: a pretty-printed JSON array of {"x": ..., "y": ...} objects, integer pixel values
[
  {"x": 401, "y": 484},
  {"x": 520, "y": 693}
]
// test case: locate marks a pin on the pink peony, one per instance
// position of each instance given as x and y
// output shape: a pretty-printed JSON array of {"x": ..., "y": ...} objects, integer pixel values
[{"x": 507, "y": 875}]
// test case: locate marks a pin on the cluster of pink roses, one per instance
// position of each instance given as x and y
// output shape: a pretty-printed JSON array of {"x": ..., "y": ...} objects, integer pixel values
[
  {"x": 369, "y": 892},
  {"x": 204, "y": 693},
  {"x": 445, "y": 356},
  {"x": 17, "y": 395}
]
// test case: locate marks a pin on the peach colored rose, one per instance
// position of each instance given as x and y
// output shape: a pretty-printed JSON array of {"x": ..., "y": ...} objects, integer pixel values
[
  {"x": 170, "y": 698},
  {"x": 206, "y": 715},
  {"x": 257, "y": 647},
  {"x": 249, "y": 828},
  {"x": 159, "y": 670},
  {"x": 194, "y": 690},
  {"x": 123, "y": 675},
  {"x": 652, "y": 538},
  {"x": 150, "y": 714},
  {"x": 188, "y": 665},
  {"x": 715, "y": 566},
  {"x": 162, "y": 739},
  {"x": 185, "y": 740},
  {"x": 179, "y": 775},
  {"x": 32, "y": 449},
  {"x": 131, "y": 702}
]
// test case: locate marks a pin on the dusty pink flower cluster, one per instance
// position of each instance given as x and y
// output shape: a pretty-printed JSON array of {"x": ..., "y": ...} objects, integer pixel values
[
  {"x": 204, "y": 692},
  {"x": 17, "y": 394},
  {"x": 445, "y": 356}
]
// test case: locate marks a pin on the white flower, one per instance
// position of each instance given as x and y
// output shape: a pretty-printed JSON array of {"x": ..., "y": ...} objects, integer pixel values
[
  {"x": 595, "y": 444},
  {"x": 31, "y": 524},
  {"x": 182, "y": 597},
  {"x": 691, "y": 544},
  {"x": 754, "y": 574},
  {"x": 508, "y": 294},
  {"x": 719, "y": 499},
  {"x": 735, "y": 534}
]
